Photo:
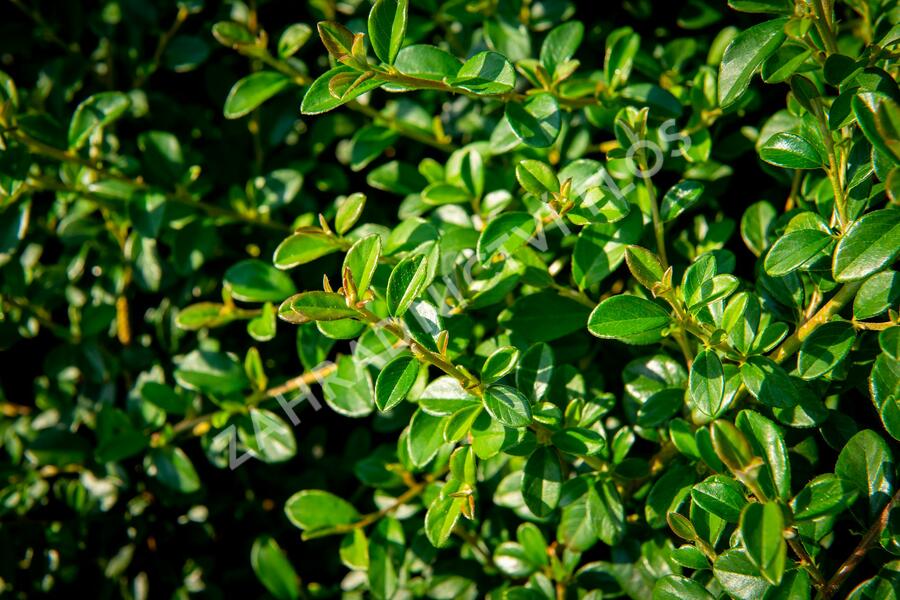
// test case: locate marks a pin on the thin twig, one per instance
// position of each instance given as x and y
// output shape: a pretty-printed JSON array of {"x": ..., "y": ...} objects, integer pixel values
[{"x": 869, "y": 540}]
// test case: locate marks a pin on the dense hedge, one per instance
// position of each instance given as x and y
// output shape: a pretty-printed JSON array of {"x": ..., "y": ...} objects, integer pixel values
[{"x": 525, "y": 299}]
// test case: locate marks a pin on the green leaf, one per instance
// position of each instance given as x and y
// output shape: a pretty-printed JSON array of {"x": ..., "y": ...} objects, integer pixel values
[
  {"x": 868, "y": 245},
  {"x": 879, "y": 293},
  {"x": 303, "y": 247},
  {"x": 348, "y": 212},
  {"x": 762, "y": 6},
  {"x": 797, "y": 249},
  {"x": 731, "y": 446},
  {"x": 337, "y": 39},
  {"x": 211, "y": 373},
  {"x": 744, "y": 55},
  {"x": 769, "y": 383},
  {"x": 644, "y": 266},
  {"x": 273, "y": 569},
  {"x": 579, "y": 441},
  {"x": 528, "y": 317},
  {"x": 486, "y": 73},
  {"x": 680, "y": 197},
  {"x": 560, "y": 45},
  {"x": 323, "y": 95},
  {"x": 387, "y": 26},
  {"x": 762, "y": 532},
  {"x": 667, "y": 494},
  {"x": 443, "y": 514},
  {"x": 394, "y": 382},
  {"x": 622, "y": 45},
  {"x": 426, "y": 435},
  {"x": 739, "y": 576},
  {"x": 600, "y": 248},
  {"x": 387, "y": 547},
  {"x": 767, "y": 442},
  {"x": 362, "y": 260},
  {"x": 707, "y": 383},
  {"x": 537, "y": 121},
  {"x": 94, "y": 113},
  {"x": 878, "y": 116},
  {"x": 867, "y": 463},
  {"x": 316, "y": 306},
  {"x": 628, "y": 319},
  {"x": 607, "y": 512},
  {"x": 756, "y": 226},
  {"x": 501, "y": 362},
  {"x": 790, "y": 151},
  {"x": 824, "y": 348},
  {"x": 505, "y": 234},
  {"x": 354, "y": 550},
  {"x": 542, "y": 482},
  {"x": 255, "y": 281},
  {"x": 293, "y": 38},
  {"x": 267, "y": 436},
  {"x": 172, "y": 468},
  {"x": 316, "y": 511},
  {"x": 827, "y": 494},
  {"x": 720, "y": 496},
  {"x": 537, "y": 177},
  {"x": 251, "y": 91},
  {"x": 676, "y": 587},
  {"x": 507, "y": 405},
  {"x": 407, "y": 281},
  {"x": 427, "y": 62}
]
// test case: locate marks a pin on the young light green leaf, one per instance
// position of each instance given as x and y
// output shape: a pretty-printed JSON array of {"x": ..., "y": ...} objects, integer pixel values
[
  {"x": 316, "y": 306},
  {"x": 303, "y": 247},
  {"x": 273, "y": 569},
  {"x": 406, "y": 282},
  {"x": 251, "y": 91},
  {"x": 644, "y": 266},
  {"x": 362, "y": 260},
  {"x": 348, "y": 212}
]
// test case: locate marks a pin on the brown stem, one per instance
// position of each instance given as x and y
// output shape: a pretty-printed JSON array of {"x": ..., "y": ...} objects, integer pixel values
[
  {"x": 869, "y": 540},
  {"x": 299, "y": 382},
  {"x": 806, "y": 561},
  {"x": 831, "y": 308}
]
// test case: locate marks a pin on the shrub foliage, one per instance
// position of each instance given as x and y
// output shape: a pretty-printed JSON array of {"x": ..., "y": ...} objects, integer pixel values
[{"x": 510, "y": 299}]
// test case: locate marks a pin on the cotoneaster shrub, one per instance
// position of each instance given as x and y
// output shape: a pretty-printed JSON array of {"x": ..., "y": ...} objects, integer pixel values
[{"x": 510, "y": 299}]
